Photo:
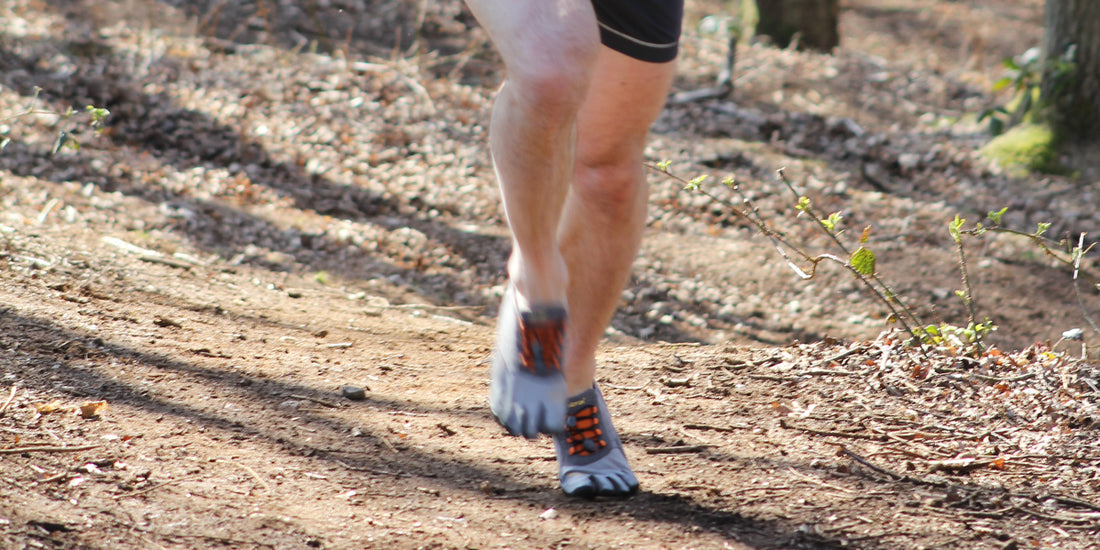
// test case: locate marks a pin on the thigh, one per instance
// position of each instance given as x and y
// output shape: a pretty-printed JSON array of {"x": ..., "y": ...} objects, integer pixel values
[
  {"x": 527, "y": 32},
  {"x": 624, "y": 96}
]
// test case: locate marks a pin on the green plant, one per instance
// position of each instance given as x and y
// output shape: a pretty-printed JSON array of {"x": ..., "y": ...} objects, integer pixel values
[
  {"x": 92, "y": 116},
  {"x": 859, "y": 260},
  {"x": 1024, "y": 77}
]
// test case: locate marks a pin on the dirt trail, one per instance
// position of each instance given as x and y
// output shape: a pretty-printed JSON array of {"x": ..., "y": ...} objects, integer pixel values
[{"x": 262, "y": 229}]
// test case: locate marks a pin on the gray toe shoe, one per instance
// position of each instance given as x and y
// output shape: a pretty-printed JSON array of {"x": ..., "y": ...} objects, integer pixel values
[{"x": 527, "y": 388}]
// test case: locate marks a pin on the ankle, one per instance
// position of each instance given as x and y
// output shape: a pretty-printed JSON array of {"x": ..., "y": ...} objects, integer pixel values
[{"x": 539, "y": 284}]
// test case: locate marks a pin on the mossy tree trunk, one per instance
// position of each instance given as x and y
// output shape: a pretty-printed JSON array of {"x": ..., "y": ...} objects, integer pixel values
[
  {"x": 814, "y": 21},
  {"x": 1074, "y": 100}
]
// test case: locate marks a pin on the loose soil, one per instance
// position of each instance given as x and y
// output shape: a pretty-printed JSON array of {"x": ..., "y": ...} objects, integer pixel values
[{"x": 293, "y": 200}]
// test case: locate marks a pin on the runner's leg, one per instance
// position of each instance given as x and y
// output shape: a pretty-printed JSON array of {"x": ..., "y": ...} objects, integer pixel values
[
  {"x": 548, "y": 47},
  {"x": 601, "y": 229},
  {"x": 605, "y": 212}
]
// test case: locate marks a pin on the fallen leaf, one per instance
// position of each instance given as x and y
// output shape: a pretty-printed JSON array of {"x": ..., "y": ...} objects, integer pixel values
[
  {"x": 47, "y": 408},
  {"x": 92, "y": 409}
]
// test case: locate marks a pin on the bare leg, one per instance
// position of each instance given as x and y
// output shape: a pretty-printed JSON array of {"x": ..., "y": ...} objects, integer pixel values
[
  {"x": 605, "y": 212},
  {"x": 601, "y": 228},
  {"x": 549, "y": 48}
]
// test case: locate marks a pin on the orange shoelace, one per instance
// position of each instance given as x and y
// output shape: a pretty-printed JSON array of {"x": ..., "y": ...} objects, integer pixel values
[
  {"x": 541, "y": 343},
  {"x": 585, "y": 436}
]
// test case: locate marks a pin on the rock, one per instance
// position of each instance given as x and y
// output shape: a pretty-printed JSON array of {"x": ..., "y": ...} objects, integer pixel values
[{"x": 355, "y": 393}]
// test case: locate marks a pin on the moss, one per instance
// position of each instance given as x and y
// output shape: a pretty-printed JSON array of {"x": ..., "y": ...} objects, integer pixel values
[{"x": 1024, "y": 149}]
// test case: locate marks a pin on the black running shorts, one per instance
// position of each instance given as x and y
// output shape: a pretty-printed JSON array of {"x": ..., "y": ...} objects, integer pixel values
[{"x": 648, "y": 30}]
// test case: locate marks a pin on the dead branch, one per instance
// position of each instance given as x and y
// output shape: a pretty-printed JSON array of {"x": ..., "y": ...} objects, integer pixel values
[
  {"x": 677, "y": 449},
  {"x": 855, "y": 435},
  {"x": 46, "y": 449},
  {"x": 11, "y": 396}
]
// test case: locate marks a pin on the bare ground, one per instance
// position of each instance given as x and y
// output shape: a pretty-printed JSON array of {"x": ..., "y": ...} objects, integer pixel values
[{"x": 292, "y": 198}]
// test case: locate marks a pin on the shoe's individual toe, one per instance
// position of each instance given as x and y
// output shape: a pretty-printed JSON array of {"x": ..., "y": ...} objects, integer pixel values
[
  {"x": 577, "y": 484},
  {"x": 620, "y": 485}
]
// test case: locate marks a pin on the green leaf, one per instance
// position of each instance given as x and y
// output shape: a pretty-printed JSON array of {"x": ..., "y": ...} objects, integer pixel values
[
  {"x": 662, "y": 166},
  {"x": 730, "y": 182},
  {"x": 693, "y": 185},
  {"x": 98, "y": 115},
  {"x": 1010, "y": 64},
  {"x": 863, "y": 261},
  {"x": 63, "y": 139},
  {"x": 832, "y": 221},
  {"x": 955, "y": 228},
  {"x": 1002, "y": 84},
  {"x": 803, "y": 204},
  {"x": 995, "y": 217},
  {"x": 1043, "y": 227},
  {"x": 996, "y": 126}
]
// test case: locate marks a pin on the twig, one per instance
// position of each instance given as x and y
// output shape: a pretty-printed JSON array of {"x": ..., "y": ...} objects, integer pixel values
[
  {"x": 771, "y": 378},
  {"x": 706, "y": 427},
  {"x": 724, "y": 85},
  {"x": 45, "y": 449},
  {"x": 1073, "y": 501},
  {"x": 842, "y": 355},
  {"x": 822, "y": 372},
  {"x": 328, "y": 404},
  {"x": 11, "y": 396},
  {"x": 856, "y": 435},
  {"x": 166, "y": 261},
  {"x": 678, "y": 449},
  {"x": 388, "y": 445},
  {"x": 959, "y": 466},
  {"x": 624, "y": 388},
  {"x": 250, "y": 471},
  {"x": 844, "y": 450},
  {"x": 1078, "y": 253},
  {"x": 157, "y": 486},
  {"x": 1041, "y": 515},
  {"x": 134, "y": 249},
  {"x": 816, "y": 481},
  {"x": 371, "y": 470},
  {"x": 968, "y": 292}
]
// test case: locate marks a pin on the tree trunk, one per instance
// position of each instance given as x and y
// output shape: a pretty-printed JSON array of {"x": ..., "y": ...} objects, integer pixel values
[
  {"x": 814, "y": 21},
  {"x": 1074, "y": 98}
]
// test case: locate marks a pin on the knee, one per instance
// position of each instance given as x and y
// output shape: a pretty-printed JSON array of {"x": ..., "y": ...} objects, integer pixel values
[
  {"x": 553, "y": 84},
  {"x": 612, "y": 184}
]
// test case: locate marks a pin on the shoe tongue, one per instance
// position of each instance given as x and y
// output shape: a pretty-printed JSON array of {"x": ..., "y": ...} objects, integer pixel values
[{"x": 586, "y": 398}]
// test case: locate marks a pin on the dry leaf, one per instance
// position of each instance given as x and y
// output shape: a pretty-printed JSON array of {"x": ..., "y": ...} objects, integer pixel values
[
  {"x": 93, "y": 409},
  {"x": 47, "y": 408}
]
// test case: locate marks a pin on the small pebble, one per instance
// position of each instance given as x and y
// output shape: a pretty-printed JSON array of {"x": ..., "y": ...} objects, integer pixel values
[
  {"x": 355, "y": 393},
  {"x": 550, "y": 513}
]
